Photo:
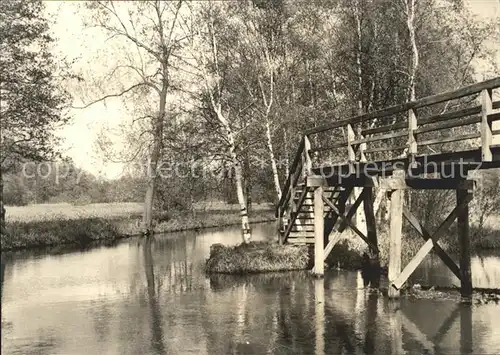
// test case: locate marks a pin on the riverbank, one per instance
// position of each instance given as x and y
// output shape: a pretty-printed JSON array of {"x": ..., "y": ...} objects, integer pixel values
[{"x": 86, "y": 230}]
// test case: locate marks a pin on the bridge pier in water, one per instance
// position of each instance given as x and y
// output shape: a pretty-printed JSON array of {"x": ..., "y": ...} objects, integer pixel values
[{"x": 464, "y": 193}]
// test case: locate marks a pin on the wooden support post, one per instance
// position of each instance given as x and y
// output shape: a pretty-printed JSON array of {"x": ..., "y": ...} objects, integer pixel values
[
  {"x": 371, "y": 234},
  {"x": 395, "y": 230},
  {"x": 371, "y": 227},
  {"x": 319, "y": 225},
  {"x": 278, "y": 226},
  {"x": 486, "y": 125},
  {"x": 463, "y": 234}
]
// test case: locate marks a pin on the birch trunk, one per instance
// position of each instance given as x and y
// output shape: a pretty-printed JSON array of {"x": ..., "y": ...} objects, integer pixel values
[
  {"x": 360, "y": 216},
  {"x": 410, "y": 21},
  {"x": 273, "y": 161},
  {"x": 287, "y": 161},
  {"x": 3, "y": 232},
  {"x": 238, "y": 176}
]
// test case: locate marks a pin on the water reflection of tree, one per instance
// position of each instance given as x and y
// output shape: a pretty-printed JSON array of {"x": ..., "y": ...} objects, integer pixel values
[{"x": 157, "y": 341}]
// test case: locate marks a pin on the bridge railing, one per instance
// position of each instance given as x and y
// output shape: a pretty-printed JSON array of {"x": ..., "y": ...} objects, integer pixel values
[
  {"x": 414, "y": 127},
  {"x": 300, "y": 168}
]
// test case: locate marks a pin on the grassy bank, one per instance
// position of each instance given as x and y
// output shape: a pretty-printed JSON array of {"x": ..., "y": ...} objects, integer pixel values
[
  {"x": 257, "y": 257},
  {"x": 49, "y": 225}
]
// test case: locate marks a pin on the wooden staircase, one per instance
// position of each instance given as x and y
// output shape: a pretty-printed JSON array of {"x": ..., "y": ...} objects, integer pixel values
[{"x": 298, "y": 225}]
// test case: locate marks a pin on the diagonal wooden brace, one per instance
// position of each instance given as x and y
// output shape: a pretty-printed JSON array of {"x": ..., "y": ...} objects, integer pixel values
[
  {"x": 427, "y": 247},
  {"x": 348, "y": 222},
  {"x": 334, "y": 236},
  {"x": 426, "y": 235}
]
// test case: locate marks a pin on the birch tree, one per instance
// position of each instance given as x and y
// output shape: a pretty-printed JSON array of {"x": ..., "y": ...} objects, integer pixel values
[
  {"x": 147, "y": 29},
  {"x": 214, "y": 59}
]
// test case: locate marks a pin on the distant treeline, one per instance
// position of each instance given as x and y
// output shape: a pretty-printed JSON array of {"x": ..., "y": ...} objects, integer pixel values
[{"x": 64, "y": 182}]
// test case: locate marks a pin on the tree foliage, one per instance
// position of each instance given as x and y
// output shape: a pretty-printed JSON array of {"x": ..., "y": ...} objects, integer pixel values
[{"x": 32, "y": 101}]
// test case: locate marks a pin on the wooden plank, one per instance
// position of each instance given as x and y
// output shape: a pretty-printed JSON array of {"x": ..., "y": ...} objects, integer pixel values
[
  {"x": 449, "y": 139},
  {"x": 301, "y": 240},
  {"x": 319, "y": 225},
  {"x": 385, "y": 128},
  {"x": 492, "y": 117},
  {"x": 449, "y": 124},
  {"x": 450, "y": 115},
  {"x": 426, "y": 101},
  {"x": 426, "y": 184},
  {"x": 395, "y": 230},
  {"x": 447, "y": 260},
  {"x": 385, "y": 149},
  {"x": 463, "y": 196},
  {"x": 426, "y": 248},
  {"x": 375, "y": 138},
  {"x": 342, "y": 144},
  {"x": 486, "y": 134}
]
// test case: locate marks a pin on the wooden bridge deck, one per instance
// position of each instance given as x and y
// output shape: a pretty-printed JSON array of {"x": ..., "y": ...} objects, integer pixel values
[{"x": 432, "y": 143}]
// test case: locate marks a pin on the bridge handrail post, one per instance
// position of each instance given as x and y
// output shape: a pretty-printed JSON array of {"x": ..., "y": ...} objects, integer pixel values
[
  {"x": 307, "y": 156},
  {"x": 351, "y": 154},
  {"x": 362, "y": 146},
  {"x": 412, "y": 139},
  {"x": 486, "y": 125}
]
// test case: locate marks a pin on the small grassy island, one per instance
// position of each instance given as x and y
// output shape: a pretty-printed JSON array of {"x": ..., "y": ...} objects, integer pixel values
[
  {"x": 257, "y": 257},
  {"x": 260, "y": 257}
]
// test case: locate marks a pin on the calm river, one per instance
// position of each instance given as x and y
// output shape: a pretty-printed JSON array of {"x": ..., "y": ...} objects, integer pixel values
[{"x": 154, "y": 298}]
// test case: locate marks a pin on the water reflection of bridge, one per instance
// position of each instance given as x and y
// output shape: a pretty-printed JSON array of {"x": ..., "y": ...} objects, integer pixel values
[
  {"x": 325, "y": 316},
  {"x": 292, "y": 313}
]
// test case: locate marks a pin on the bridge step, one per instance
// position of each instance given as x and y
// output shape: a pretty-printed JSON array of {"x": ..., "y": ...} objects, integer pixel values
[{"x": 300, "y": 240}]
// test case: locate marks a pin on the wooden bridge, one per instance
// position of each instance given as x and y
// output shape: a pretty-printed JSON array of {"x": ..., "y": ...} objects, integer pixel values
[{"x": 432, "y": 143}]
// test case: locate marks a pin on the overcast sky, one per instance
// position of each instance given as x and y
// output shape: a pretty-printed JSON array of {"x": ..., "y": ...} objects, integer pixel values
[{"x": 74, "y": 42}]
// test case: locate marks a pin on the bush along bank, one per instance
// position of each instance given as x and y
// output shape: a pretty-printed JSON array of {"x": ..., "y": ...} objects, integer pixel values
[{"x": 37, "y": 234}]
